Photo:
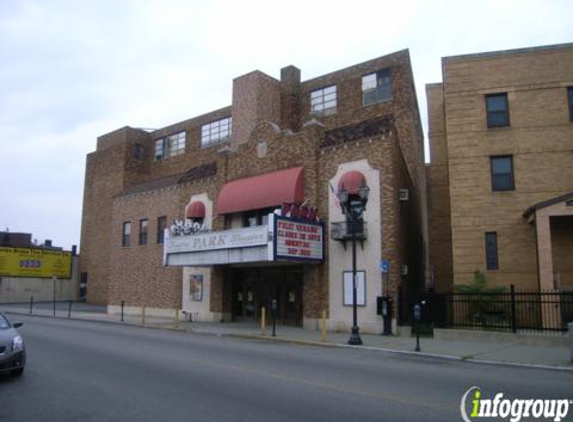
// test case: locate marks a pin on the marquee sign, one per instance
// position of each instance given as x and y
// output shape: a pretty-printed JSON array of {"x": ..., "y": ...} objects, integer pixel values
[
  {"x": 298, "y": 240},
  {"x": 227, "y": 239},
  {"x": 298, "y": 236}
]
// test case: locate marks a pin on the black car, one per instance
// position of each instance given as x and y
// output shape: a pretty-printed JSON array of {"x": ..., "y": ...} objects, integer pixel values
[{"x": 12, "y": 349}]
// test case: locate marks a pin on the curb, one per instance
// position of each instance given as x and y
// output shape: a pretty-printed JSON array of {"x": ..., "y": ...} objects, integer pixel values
[
  {"x": 313, "y": 343},
  {"x": 97, "y": 321}
]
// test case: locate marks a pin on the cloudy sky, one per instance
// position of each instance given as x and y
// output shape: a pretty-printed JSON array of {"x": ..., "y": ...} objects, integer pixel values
[{"x": 71, "y": 70}]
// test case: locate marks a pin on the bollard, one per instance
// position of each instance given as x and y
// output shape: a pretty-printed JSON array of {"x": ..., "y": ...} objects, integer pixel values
[
  {"x": 263, "y": 322},
  {"x": 274, "y": 307},
  {"x": 143, "y": 315},
  {"x": 323, "y": 326},
  {"x": 70, "y": 310},
  {"x": 417, "y": 315},
  {"x": 31, "y": 303},
  {"x": 122, "y": 305},
  {"x": 54, "y": 283},
  {"x": 176, "y": 318},
  {"x": 570, "y": 329}
]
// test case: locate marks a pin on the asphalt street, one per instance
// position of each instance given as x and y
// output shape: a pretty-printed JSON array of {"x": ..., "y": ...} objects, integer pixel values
[{"x": 86, "y": 371}]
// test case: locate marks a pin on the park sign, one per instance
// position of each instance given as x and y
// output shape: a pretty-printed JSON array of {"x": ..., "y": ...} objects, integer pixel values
[{"x": 35, "y": 262}]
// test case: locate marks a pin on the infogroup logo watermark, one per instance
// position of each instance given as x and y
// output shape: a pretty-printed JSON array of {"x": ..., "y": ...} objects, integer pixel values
[{"x": 513, "y": 409}]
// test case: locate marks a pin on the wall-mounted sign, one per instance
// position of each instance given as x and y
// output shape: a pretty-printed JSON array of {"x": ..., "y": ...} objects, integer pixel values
[
  {"x": 226, "y": 239},
  {"x": 300, "y": 212},
  {"x": 298, "y": 240},
  {"x": 360, "y": 288},
  {"x": 31, "y": 262},
  {"x": 196, "y": 287}
]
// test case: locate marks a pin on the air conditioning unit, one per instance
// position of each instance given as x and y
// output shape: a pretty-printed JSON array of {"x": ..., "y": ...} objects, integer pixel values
[
  {"x": 404, "y": 269},
  {"x": 404, "y": 195}
]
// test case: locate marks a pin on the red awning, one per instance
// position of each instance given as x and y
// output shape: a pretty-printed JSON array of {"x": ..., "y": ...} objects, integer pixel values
[
  {"x": 195, "y": 210},
  {"x": 266, "y": 190},
  {"x": 351, "y": 181}
]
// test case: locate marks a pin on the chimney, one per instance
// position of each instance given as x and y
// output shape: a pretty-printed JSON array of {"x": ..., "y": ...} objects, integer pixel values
[
  {"x": 256, "y": 98},
  {"x": 290, "y": 98}
]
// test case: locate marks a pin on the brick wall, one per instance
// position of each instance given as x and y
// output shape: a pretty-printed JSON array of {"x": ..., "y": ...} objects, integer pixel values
[
  {"x": 539, "y": 138},
  {"x": 119, "y": 189},
  {"x": 439, "y": 193}
]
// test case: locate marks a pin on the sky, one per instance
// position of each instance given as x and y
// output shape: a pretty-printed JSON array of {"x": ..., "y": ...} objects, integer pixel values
[{"x": 72, "y": 70}]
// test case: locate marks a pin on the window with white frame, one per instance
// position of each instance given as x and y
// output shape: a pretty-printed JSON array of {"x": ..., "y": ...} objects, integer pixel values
[
  {"x": 170, "y": 146},
  {"x": 377, "y": 87},
  {"x": 216, "y": 132},
  {"x": 126, "y": 234},
  {"x": 323, "y": 101}
]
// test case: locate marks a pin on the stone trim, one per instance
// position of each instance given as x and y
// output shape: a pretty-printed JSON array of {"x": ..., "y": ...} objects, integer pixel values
[
  {"x": 367, "y": 129},
  {"x": 199, "y": 172}
]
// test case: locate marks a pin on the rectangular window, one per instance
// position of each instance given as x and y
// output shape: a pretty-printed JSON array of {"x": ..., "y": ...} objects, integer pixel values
[
  {"x": 216, "y": 132},
  {"x": 502, "y": 173},
  {"x": 377, "y": 87},
  {"x": 143, "y": 231},
  {"x": 161, "y": 226},
  {"x": 497, "y": 110},
  {"x": 170, "y": 146},
  {"x": 228, "y": 224},
  {"x": 126, "y": 234},
  {"x": 138, "y": 151},
  {"x": 570, "y": 99},
  {"x": 323, "y": 101},
  {"x": 258, "y": 217},
  {"x": 491, "y": 250}
]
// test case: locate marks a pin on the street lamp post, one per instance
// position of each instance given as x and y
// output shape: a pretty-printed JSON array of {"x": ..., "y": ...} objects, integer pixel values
[{"x": 353, "y": 206}]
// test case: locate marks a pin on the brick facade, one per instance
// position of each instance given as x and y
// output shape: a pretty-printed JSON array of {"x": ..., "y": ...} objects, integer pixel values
[
  {"x": 273, "y": 129},
  {"x": 539, "y": 140}
]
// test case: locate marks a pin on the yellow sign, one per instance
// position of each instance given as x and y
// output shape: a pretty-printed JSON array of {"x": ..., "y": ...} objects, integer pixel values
[{"x": 28, "y": 262}]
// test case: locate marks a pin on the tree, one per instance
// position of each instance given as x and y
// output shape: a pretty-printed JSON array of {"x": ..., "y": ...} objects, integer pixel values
[
  {"x": 485, "y": 304},
  {"x": 478, "y": 285}
]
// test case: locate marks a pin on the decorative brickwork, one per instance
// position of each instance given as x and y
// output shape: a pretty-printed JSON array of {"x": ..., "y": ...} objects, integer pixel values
[
  {"x": 357, "y": 131},
  {"x": 272, "y": 130}
]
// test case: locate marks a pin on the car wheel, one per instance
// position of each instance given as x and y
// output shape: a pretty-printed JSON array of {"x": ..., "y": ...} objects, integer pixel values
[{"x": 17, "y": 372}]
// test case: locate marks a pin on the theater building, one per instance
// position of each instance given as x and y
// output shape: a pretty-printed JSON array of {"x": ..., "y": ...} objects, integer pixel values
[{"x": 222, "y": 213}]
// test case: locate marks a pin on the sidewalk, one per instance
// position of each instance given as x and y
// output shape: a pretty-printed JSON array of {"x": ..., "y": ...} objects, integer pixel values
[{"x": 470, "y": 350}]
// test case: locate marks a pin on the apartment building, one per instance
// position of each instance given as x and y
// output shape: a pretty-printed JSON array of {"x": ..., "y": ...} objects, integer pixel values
[{"x": 500, "y": 181}]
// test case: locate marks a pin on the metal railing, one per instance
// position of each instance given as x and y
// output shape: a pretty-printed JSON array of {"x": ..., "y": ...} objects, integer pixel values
[{"x": 513, "y": 311}]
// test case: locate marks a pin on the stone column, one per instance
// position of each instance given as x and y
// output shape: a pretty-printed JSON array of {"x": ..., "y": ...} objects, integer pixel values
[
  {"x": 544, "y": 252},
  {"x": 550, "y": 309}
]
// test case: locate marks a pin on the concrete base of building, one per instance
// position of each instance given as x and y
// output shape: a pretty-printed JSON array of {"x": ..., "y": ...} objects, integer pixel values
[
  {"x": 208, "y": 316},
  {"x": 404, "y": 331},
  {"x": 138, "y": 310},
  {"x": 200, "y": 316}
]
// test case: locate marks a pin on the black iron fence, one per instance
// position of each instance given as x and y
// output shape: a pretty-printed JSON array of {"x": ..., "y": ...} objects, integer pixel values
[{"x": 511, "y": 311}]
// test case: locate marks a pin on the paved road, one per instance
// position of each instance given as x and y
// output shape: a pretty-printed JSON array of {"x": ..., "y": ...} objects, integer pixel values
[{"x": 84, "y": 371}]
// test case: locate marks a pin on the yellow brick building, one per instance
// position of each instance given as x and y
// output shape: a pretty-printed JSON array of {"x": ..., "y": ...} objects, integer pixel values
[{"x": 500, "y": 181}]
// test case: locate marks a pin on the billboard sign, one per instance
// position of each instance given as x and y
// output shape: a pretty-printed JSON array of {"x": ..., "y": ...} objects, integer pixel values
[{"x": 35, "y": 262}]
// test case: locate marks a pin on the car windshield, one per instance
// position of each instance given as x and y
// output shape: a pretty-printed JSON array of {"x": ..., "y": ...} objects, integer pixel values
[{"x": 4, "y": 325}]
